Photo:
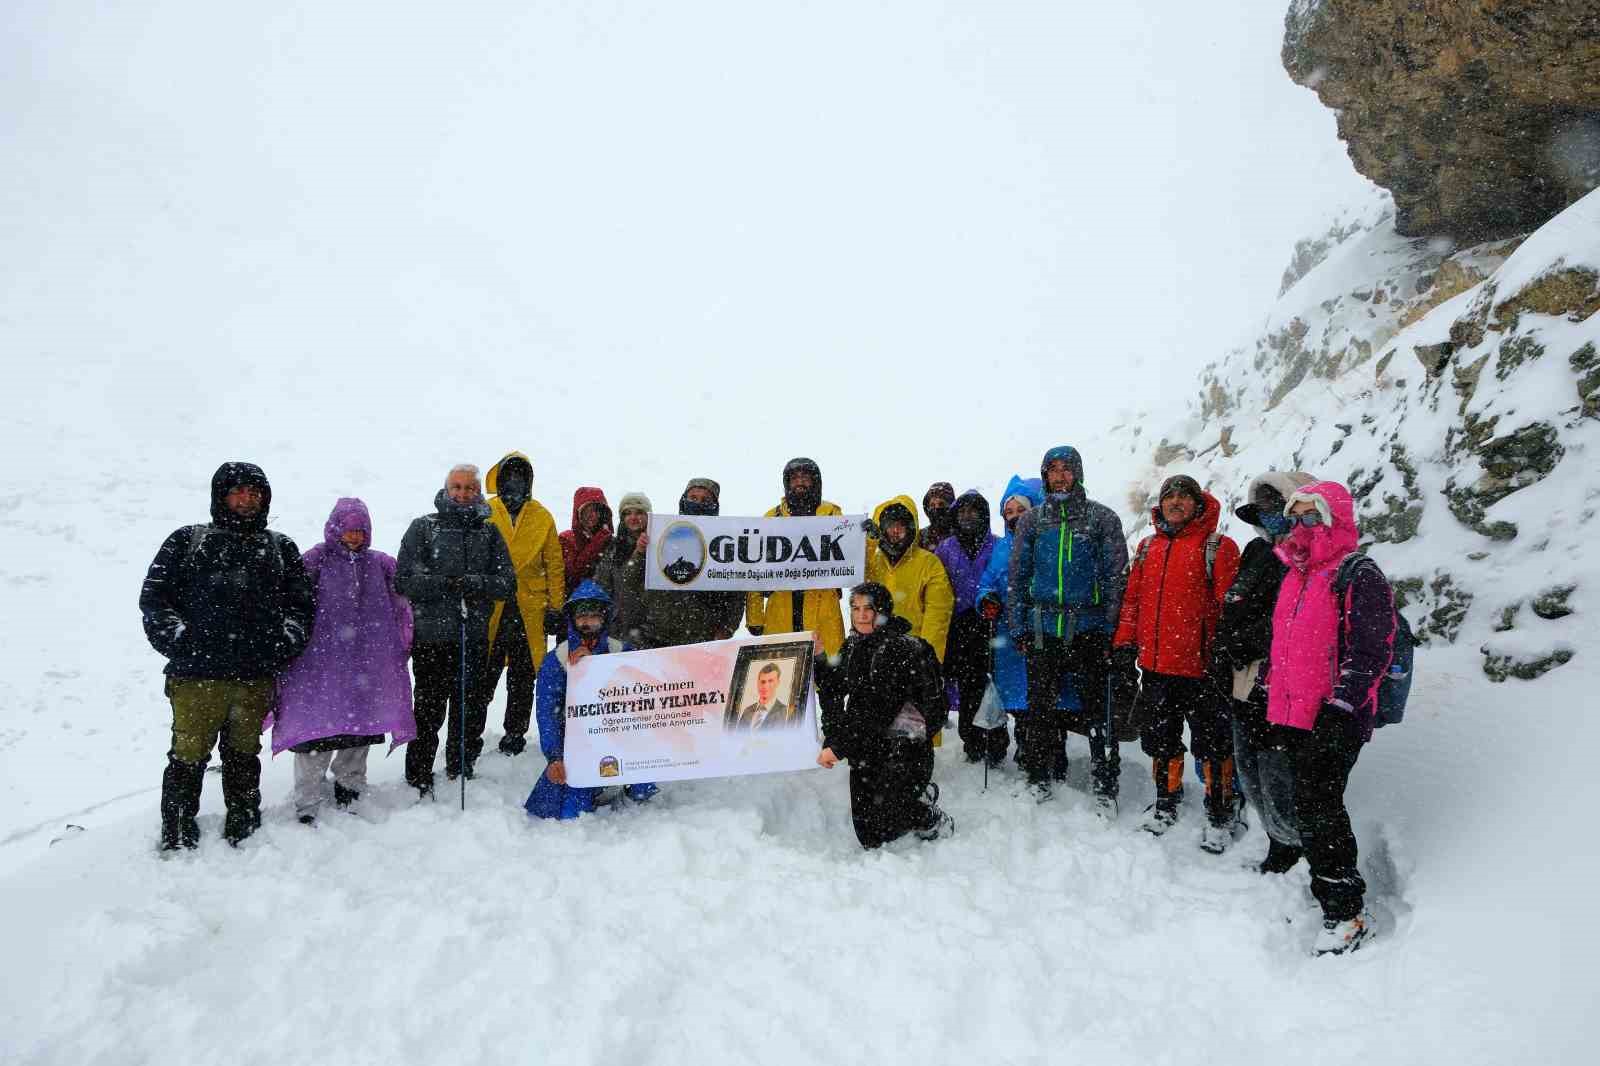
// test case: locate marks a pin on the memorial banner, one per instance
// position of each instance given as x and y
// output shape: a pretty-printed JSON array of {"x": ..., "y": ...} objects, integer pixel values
[
  {"x": 720, "y": 709},
  {"x": 694, "y": 553}
]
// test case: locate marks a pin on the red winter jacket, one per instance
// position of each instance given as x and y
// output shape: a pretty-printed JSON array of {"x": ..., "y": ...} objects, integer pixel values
[
  {"x": 1170, "y": 611},
  {"x": 579, "y": 554}
]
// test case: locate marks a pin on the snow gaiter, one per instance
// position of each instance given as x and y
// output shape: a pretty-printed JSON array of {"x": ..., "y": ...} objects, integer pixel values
[
  {"x": 1168, "y": 774},
  {"x": 241, "y": 791},
  {"x": 180, "y": 802},
  {"x": 1219, "y": 790}
]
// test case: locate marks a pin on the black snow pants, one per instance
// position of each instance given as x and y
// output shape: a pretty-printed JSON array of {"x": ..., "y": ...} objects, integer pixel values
[
  {"x": 967, "y": 663},
  {"x": 1042, "y": 743},
  {"x": 1166, "y": 701},
  {"x": 514, "y": 655},
  {"x": 1323, "y": 759},
  {"x": 436, "y": 670},
  {"x": 887, "y": 786}
]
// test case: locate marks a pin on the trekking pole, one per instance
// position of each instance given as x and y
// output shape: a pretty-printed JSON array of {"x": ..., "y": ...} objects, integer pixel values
[{"x": 463, "y": 704}]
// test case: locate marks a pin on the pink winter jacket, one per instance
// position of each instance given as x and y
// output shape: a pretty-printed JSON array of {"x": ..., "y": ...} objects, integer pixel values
[{"x": 1327, "y": 651}]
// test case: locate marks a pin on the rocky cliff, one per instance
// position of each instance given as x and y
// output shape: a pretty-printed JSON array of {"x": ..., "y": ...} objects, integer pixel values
[
  {"x": 1482, "y": 117},
  {"x": 1457, "y": 392}
]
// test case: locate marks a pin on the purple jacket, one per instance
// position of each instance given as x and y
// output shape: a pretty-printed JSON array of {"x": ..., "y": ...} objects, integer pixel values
[
  {"x": 352, "y": 678},
  {"x": 966, "y": 571}
]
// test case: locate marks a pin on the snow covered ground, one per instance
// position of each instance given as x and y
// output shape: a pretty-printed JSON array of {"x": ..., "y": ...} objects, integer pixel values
[
  {"x": 737, "y": 921},
  {"x": 199, "y": 263}
]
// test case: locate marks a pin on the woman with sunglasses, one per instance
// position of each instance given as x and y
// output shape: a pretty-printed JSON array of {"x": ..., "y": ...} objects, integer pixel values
[{"x": 1329, "y": 652}]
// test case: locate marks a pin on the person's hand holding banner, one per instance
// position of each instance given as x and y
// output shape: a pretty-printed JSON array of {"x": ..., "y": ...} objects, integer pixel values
[
  {"x": 556, "y": 772},
  {"x": 827, "y": 759}
]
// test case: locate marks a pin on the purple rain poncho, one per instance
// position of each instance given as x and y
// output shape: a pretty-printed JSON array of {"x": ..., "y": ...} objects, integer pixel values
[{"x": 352, "y": 679}]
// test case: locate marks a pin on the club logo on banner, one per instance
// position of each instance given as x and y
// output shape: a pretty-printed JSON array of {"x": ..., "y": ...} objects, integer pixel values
[
  {"x": 694, "y": 553},
  {"x": 720, "y": 709}
]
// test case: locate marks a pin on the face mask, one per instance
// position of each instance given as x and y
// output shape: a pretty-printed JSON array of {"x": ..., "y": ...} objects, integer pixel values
[
  {"x": 514, "y": 489},
  {"x": 1276, "y": 524},
  {"x": 969, "y": 522},
  {"x": 706, "y": 508}
]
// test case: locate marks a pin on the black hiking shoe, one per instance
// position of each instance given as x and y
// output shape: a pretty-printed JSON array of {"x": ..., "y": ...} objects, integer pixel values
[
  {"x": 343, "y": 797},
  {"x": 1281, "y": 858},
  {"x": 512, "y": 745},
  {"x": 308, "y": 819},
  {"x": 180, "y": 802}
]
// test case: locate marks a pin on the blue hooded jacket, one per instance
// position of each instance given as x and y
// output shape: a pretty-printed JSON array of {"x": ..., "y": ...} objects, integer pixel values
[
  {"x": 1069, "y": 561},
  {"x": 1010, "y": 672},
  {"x": 548, "y": 799}
]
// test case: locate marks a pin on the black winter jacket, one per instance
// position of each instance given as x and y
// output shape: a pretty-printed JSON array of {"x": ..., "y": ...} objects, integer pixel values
[
  {"x": 229, "y": 598},
  {"x": 877, "y": 674},
  {"x": 454, "y": 544},
  {"x": 1244, "y": 630}
]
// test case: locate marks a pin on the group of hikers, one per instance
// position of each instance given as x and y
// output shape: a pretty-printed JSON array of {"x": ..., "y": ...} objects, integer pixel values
[{"x": 1273, "y": 657}]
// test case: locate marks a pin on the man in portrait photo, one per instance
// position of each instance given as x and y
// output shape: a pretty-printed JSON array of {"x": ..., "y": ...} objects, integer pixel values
[{"x": 766, "y": 711}]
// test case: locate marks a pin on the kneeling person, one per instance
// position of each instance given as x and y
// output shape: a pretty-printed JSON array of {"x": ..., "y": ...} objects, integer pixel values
[
  {"x": 588, "y": 613},
  {"x": 884, "y": 676}
]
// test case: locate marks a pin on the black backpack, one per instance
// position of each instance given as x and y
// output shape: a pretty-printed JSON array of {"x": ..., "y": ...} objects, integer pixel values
[{"x": 1395, "y": 688}]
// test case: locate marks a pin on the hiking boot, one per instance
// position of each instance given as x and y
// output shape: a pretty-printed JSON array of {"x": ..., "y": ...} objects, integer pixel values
[
  {"x": 1161, "y": 815},
  {"x": 308, "y": 819},
  {"x": 943, "y": 826},
  {"x": 1041, "y": 791},
  {"x": 640, "y": 793},
  {"x": 424, "y": 787},
  {"x": 1337, "y": 938},
  {"x": 1215, "y": 838},
  {"x": 512, "y": 745},
  {"x": 1281, "y": 858},
  {"x": 343, "y": 797},
  {"x": 1105, "y": 805},
  {"x": 607, "y": 795}
]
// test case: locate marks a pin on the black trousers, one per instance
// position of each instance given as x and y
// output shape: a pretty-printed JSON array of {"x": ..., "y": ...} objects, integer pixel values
[
  {"x": 886, "y": 790},
  {"x": 1167, "y": 701},
  {"x": 513, "y": 655},
  {"x": 1323, "y": 759},
  {"x": 967, "y": 661},
  {"x": 436, "y": 701},
  {"x": 1087, "y": 658}
]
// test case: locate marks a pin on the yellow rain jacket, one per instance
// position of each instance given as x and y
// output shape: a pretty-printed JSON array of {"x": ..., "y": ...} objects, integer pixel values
[
  {"x": 921, "y": 588},
  {"x": 819, "y": 610},
  {"x": 536, "y": 557}
]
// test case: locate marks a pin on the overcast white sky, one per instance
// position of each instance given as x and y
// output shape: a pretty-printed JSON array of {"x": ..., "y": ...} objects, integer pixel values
[{"x": 638, "y": 240}]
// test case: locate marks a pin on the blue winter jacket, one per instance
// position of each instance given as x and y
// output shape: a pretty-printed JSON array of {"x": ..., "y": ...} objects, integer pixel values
[
  {"x": 1069, "y": 562},
  {"x": 1010, "y": 672},
  {"x": 548, "y": 799}
]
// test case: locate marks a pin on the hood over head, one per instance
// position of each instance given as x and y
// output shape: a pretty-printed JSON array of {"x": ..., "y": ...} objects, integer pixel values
[
  {"x": 688, "y": 506},
  {"x": 1272, "y": 488},
  {"x": 971, "y": 498},
  {"x": 491, "y": 480},
  {"x": 583, "y": 497},
  {"x": 229, "y": 476},
  {"x": 1030, "y": 489},
  {"x": 1308, "y": 548},
  {"x": 348, "y": 513},
  {"x": 588, "y": 589},
  {"x": 1073, "y": 459},
  {"x": 904, "y": 508},
  {"x": 808, "y": 502},
  {"x": 942, "y": 489}
]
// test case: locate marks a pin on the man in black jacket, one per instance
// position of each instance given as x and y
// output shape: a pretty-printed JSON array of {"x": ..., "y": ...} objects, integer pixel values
[
  {"x": 453, "y": 565},
  {"x": 228, "y": 604},
  {"x": 875, "y": 719},
  {"x": 1244, "y": 637}
]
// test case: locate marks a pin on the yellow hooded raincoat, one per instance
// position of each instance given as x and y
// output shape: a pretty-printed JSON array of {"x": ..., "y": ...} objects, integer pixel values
[
  {"x": 819, "y": 610},
  {"x": 921, "y": 588},
  {"x": 536, "y": 557}
]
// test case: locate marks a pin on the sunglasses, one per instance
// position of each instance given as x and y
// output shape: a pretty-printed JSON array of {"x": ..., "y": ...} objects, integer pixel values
[{"x": 1311, "y": 519}]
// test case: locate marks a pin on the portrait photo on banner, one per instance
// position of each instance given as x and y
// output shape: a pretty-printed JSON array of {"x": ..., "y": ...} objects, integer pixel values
[{"x": 769, "y": 687}]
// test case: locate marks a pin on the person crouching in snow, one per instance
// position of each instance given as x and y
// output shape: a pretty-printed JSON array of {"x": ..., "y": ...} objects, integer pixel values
[
  {"x": 1329, "y": 653},
  {"x": 588, "y": 613},
  {"x": 885, "y": 677},
  {"x": 351, "y": 685}
]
